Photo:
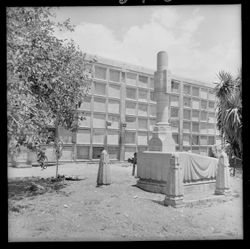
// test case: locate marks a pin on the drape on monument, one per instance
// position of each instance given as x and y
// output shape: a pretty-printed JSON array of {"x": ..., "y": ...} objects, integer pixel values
[{"x": 197, "y": 167}]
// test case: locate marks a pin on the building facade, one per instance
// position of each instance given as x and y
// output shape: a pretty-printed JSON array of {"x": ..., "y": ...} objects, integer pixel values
[{"x": 121, "y": 112}]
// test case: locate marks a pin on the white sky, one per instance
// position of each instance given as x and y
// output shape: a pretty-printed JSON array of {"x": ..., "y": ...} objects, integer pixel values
[{"x": 201, "y": 40}]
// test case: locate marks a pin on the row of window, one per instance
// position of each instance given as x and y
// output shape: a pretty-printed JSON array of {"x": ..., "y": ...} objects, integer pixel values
[
  {"x": 113, "y": 106},
  {"x": 194, "y": 115},
  {"x": 128, "y": 77},
  {"x": 132, "y": 122},
  {"x": 98, "y": 136},
  {"x": 114, "y": 91},
  {"x": 83, "y": 151},
  {"x": 142, "y": 81},
  {"x": 193, "y": 90}
]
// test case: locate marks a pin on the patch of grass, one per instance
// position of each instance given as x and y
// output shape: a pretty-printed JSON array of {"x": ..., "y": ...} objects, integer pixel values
[{"x": 20, "y": 188}]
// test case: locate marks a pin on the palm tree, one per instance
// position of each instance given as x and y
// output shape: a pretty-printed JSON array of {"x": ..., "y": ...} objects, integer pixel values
[{"x": 229, "y": 111}]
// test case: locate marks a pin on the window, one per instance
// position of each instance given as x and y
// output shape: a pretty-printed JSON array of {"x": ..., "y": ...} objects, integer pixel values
[
  {"x": 211, "y": 140},
  {"x": 112, "y": 137},
  {"x": 131, "y": 108},
  {"x": 114, "y": 91},
  {"x": 186, "y": 140},
  {"x": 152, "y": 110},
  {"x": 100, "y": 72},
  {"x": 131, "y": 78},
  {"x": 175, "y": 87},
  {"x": 97, "y": 152},
  {"x": 203, "y": 140},
  {"x": 203, "y": 116},
  {"x": 98, "y": 136},
  {"x": 211, "y": 118},
  {"x": 195, "y": 127},
  {"x": 123, "y": 77},
  {"x": 99, "y": 120},
  {"x": 114, "y": 120},
  {"x": 203, "y": 104},
  {"x": 176, "y": 138},
  {"x": 114, "y": 75},
  {"x": 195, "y": 104},
  {"x": 152, "y": 123},
  {"x": 143, "y": 94},
  {"x": 195, "y": 91},
  {"x": 211, "y": 129},
  {"x": 174, "y": 125},
  {"x": 211, "y": 95},
  {"x": 99, "y": 105},
  {"x": 142, "y": 138},
  {"x": 186, "y": 127},
  {"x": 174, "y": 112},
  {"x": 187, "y": 114},
  {"x": 174, "y": 100},
  {"x": 131, "y": 122},
  {"x": 99, "y": 89},
  {"x": 152, "y": 83},
  {"x": 142, "y": 124},
  {"x": 211, "y": 105},
  {"x": 152, "y": 96},
  {"x": 129, "y": 137},
  {"x": 82, "y": 152},
  {"x": 187, "y": 89},
  {"x": 203, "y": 93},
  {"x": 186, "y": 102},
  {"x": 195, "y": 115},
  {"x": 113, "y": 152},
  {"x": 131, "y": 93},
  {"x": 142, "y": 110},
  {"x": 203, "y": 128},
  {"x": 143, "y": 81},
  {"x": 83, "y": 136},
  {"x": 195, "y": 140},
  {"x": 113, "y": 106}
]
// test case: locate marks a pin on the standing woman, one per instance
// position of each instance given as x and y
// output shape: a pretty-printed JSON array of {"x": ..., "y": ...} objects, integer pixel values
[{"x": 103, "y": 176}]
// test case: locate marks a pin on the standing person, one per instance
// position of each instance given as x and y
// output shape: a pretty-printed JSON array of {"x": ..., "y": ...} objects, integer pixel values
[
  {"x": 134, "y": 163},
  {"x": 103, "y": 176}
]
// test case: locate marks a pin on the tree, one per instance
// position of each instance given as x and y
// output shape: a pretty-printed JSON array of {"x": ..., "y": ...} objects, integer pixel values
[
  {"x": 47, "y": 78},
  {"x": 229, "y": 111}
]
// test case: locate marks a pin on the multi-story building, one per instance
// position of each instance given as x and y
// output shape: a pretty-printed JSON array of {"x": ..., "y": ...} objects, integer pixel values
[{"x": 121, "y": 112}]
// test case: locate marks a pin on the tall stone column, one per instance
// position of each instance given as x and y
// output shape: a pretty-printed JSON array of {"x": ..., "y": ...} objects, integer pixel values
[
  {"x": 174, "y": 192},
  {"x": 223, "y": 175},
  {"x": 162, "y": 136}
]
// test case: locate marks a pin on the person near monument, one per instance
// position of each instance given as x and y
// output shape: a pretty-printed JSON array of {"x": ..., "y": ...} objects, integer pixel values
[{"x": 103, "y": 176}]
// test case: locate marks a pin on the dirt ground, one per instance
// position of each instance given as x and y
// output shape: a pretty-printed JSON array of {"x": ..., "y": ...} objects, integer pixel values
[{"x": 119, "y": 212}]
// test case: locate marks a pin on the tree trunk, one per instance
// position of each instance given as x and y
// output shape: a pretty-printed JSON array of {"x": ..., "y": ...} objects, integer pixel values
[{"x": 57, "y": 149}]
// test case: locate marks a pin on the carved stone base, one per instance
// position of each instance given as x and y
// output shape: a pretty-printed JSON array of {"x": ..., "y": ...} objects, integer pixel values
[
  {"x": 152, "y": 186},
  {"x": 162, "y": 139},
  {"x": 176, "y": 201},
  {"x": 223, "y": 191}
]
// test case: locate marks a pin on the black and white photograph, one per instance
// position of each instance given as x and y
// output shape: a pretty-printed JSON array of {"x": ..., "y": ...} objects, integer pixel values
[{"x": 124, "y": 123}]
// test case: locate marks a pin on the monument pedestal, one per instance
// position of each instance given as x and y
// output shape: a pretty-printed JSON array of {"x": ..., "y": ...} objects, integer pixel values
[
  {"x": 162, "y": 139},
  {"x": 223, "y": 176}
]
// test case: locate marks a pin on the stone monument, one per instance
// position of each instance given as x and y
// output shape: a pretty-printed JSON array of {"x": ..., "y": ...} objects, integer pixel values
[
  {"x": 162, "y": 139},
  {"x": 153, "y": 165}
]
